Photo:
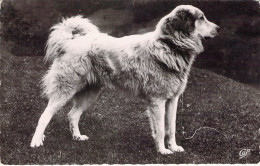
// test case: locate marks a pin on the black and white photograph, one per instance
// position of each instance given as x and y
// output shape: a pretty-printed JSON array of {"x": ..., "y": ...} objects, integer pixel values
[{"x": 129, "y": 82}]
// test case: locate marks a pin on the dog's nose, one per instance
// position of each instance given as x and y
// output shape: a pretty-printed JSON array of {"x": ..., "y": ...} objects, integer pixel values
[{"x": 218, "y": 28}]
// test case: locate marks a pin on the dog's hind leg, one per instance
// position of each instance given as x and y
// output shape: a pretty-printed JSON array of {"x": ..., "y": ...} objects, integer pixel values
[
  {"x": 156, "y": 113},
  {"x": 82, "y": 101},
  {"x": 55, "y": 103},
  {"x": 170, "y": 125}
]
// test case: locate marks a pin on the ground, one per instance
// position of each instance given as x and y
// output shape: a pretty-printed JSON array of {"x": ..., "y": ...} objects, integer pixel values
[{"x": 118, "y": 127}]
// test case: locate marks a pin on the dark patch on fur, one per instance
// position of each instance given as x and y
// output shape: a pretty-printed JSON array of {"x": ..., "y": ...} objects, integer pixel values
[
  {"x": 61, "y": 51},
  {"x": 183, "y": 55},
  {"x": 168, "y": 42},
  {"x": 165, "y": 67},
  {"x": 101, "y": 68},
  {"x": 77, "y": 31},
  {"x": 115, "y": 61},
  {"x": 175, "y": 49},
  {"x": 183, "y": 21},
  {"x": 186, "y": 59}
]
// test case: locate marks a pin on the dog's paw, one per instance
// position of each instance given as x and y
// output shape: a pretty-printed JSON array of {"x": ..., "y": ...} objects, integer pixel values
[
  {"x": 80, "y": 137},
  {"x": 165, "y": 151},
  {"x": 176, "y": 148},
  {"x": 37, "y": 141}
]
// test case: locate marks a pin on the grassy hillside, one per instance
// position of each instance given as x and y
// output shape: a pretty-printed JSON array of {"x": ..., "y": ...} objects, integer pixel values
[{"x": 118, "y": 127}]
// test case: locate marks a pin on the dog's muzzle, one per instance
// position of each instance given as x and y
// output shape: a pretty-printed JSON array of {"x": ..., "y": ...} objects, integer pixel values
[{"x": 213, "y": 33}]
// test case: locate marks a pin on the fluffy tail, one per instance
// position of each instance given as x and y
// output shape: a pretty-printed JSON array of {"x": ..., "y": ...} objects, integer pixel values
[{"x": 67, "y": 30}]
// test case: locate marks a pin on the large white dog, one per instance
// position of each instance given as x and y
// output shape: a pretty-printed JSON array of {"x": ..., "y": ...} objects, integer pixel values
[{"x": 154, "y": 66}]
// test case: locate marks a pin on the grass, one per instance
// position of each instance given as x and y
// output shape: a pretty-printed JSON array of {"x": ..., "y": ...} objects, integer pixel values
[{"x": 118, "y": 127}]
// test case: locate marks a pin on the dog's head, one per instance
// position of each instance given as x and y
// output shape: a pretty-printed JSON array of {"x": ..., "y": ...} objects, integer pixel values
[{"x": 188, "y": 20}]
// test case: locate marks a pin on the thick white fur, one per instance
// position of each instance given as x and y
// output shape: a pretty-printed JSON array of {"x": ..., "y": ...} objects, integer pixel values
[{"x": 154, "y": 66}]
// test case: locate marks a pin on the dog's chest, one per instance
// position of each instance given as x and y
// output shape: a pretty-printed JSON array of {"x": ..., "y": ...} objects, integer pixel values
[
  {"x": 176, "y": 84},
  {"x": 165, "y": 85}
]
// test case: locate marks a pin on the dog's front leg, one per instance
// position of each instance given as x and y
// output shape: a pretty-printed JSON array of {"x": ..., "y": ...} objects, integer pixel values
[
  {"x": 170, "y": 125},
  {"x": 156, "y": 113}
]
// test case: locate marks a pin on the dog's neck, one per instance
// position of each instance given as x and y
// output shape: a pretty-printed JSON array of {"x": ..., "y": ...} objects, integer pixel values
[
  {"x": 180, "y": 52},
  {"x": 189, "y": 44}
]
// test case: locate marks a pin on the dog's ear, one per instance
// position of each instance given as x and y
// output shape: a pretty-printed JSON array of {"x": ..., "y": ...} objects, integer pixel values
[{"x": 183, "y": 21}]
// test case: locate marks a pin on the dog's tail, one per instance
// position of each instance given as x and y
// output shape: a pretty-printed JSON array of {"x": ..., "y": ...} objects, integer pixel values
[{"x": 61, "y": 33}]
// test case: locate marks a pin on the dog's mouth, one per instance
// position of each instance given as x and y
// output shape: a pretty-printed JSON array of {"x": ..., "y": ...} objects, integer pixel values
[
  {"x": 211, "y": 35},
  {"x": 205, "y": 37}
]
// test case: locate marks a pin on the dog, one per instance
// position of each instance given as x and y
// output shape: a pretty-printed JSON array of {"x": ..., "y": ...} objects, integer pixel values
[{"x": 153, "y": 66}]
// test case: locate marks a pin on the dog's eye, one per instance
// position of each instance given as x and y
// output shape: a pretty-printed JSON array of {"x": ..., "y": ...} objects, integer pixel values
[{"x": 202, "y": 18}]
